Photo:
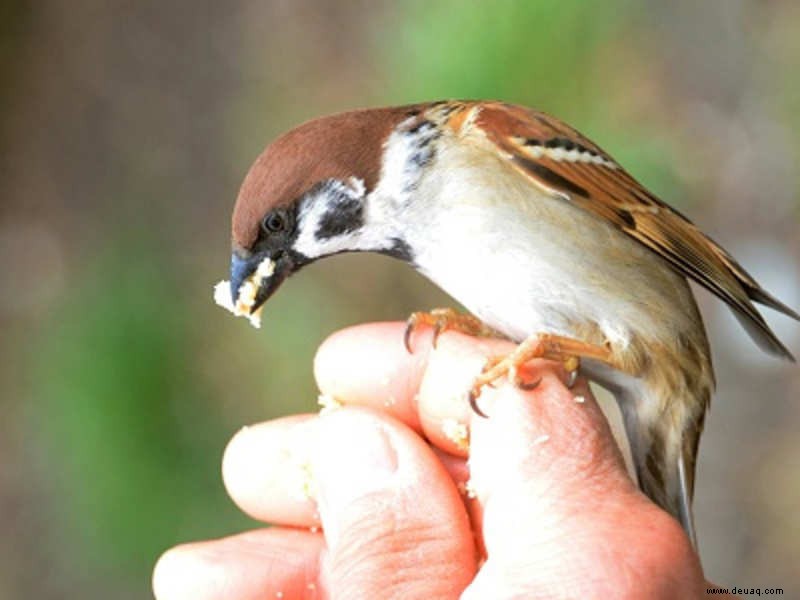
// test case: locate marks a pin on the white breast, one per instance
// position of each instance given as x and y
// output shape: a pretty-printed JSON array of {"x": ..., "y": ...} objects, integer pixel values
[{"x": 526, "y": 263}]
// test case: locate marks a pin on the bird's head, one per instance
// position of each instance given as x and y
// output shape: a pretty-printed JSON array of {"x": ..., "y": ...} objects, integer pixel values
[{"x": 305, "y": 198}]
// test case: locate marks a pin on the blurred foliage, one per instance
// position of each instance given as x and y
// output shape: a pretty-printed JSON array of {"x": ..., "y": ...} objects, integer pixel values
[
  {"x": 124, "y": 141},
  {"x": 135, "y": 432},
  {"x": 502, "y": 49},
  {"x": 540, "y": 53}
]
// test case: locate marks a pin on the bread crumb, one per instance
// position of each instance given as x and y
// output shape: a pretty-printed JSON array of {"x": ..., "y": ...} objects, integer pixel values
[
  {"x": 247, "y": 293},
  {"x": 469, "y": 490},
  {"x": 580, "y": 399},
  {"x": 303, "y": 486},
  {"x": 456, "y": 432}
]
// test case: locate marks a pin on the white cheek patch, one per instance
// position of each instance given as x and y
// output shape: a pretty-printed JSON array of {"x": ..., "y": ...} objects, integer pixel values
[
  {"x": 247, "y": 293},
  {"x": 330, "y": 218}
]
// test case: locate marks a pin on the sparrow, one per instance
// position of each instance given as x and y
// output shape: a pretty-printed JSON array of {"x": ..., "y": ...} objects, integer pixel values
[{"x": 536, "y": 230}]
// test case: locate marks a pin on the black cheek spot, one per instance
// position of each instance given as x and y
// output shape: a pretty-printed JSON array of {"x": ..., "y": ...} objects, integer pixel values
[{"x": 346, "y": 216}]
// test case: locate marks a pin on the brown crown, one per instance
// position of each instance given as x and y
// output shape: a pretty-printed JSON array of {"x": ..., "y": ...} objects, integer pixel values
[{"x": 339, "y": 146}]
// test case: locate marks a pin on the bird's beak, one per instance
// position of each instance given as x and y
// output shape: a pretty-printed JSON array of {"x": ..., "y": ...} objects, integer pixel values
[{"x": 267, "y": 273}]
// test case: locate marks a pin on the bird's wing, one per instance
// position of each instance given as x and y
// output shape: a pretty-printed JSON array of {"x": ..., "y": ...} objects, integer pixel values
[{"x": 563, "y": 162}]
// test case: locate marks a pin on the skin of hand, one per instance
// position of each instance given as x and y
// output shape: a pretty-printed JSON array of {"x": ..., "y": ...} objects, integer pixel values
[{"x": 368, "y": 500}]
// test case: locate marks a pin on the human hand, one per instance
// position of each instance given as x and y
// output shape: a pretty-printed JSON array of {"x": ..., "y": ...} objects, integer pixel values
[{"x": 369, "y": 500}]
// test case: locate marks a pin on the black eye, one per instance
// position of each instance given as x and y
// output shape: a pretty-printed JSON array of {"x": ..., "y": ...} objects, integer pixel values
[{"x": 274, "y": 222}]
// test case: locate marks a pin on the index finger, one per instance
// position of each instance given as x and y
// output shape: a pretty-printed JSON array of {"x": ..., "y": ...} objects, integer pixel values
[{"x": 368, "y": 365}]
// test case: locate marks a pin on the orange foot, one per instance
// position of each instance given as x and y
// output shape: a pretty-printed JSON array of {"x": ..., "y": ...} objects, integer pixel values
[
  {"x": 543, "y": 345},
  {"x": 446, "y": 319}
]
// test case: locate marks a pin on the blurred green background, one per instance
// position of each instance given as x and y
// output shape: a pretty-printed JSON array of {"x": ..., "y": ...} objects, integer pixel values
[{"x": 126, "y": 128}]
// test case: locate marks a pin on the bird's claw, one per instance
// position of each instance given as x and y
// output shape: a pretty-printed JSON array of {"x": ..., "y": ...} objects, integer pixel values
[
  {"x": 410, "y": 326},
  {"x": 526, "y": 385},
  {"x": 473, "y": 395},
  {"x": 565, "y": 350},
  {"x": 510, "y": 371},
  {"x": 444, "y": 319},
  {"x": 572, "y": 364},
  {"x": 572, "y": 377}
]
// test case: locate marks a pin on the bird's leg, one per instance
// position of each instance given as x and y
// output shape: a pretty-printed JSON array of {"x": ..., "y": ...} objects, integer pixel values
[
  {"x": 543, "y": 345},
  {"x": 446, "y": 319}
]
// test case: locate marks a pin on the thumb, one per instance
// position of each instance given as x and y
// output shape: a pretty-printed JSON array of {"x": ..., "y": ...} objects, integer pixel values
[{"x": 393, "y": 521}]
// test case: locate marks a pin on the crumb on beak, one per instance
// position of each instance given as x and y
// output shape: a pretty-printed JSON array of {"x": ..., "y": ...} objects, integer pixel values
[{"x": 247, "y": 293}]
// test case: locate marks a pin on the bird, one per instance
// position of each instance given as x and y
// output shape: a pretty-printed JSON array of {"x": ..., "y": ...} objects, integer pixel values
[{"x": 540, "y": 234}]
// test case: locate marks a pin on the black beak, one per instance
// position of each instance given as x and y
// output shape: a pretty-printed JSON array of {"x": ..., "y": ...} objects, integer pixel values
[{"x": 243, "y": 268}]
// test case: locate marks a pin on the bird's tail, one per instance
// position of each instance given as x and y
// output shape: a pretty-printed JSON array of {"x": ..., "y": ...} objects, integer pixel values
[{"x": 664, "y": 433}]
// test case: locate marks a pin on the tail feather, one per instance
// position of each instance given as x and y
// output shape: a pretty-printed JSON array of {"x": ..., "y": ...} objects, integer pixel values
[
  {"x": 686, "y": 495},
  {"x": 760, "y": 295},
  {"x": 664, "y": 445},
  {"x": 763, "y": 336}
]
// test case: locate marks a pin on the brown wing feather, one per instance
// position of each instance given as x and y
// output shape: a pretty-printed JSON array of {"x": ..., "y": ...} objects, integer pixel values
[{"x": 561, "y": 160}]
